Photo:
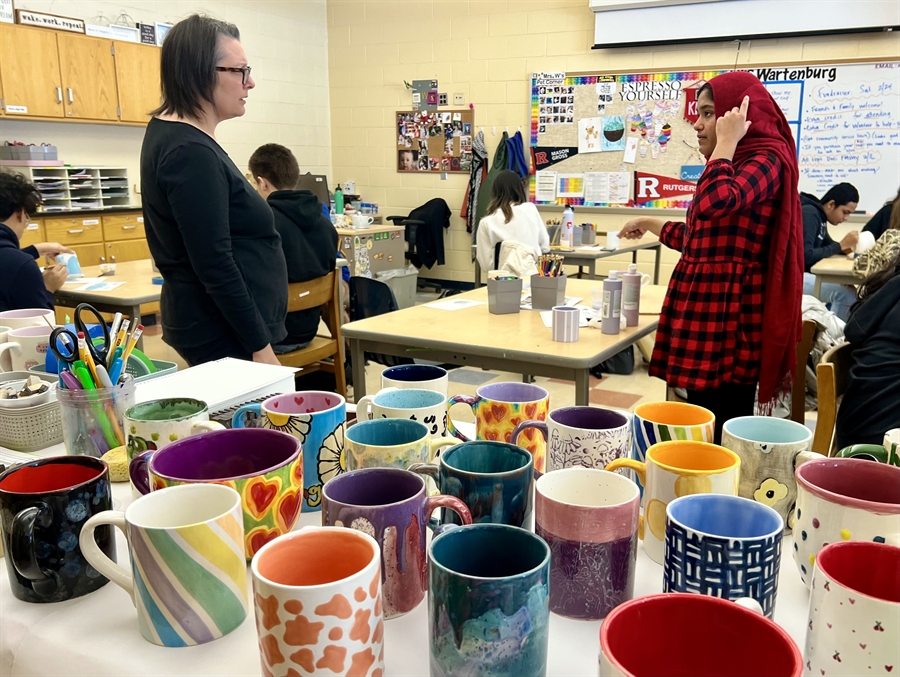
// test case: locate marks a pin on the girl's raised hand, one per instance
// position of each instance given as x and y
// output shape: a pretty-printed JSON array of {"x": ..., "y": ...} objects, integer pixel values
[{"x": 731, "y": 127}]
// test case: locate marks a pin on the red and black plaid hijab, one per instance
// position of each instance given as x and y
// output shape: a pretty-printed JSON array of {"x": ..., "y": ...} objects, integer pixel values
[{"x": 770, "y": 133}]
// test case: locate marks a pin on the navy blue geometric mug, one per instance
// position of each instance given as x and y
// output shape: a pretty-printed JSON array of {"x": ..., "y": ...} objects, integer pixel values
[
  {"x": 43, "y": 506},
  {"x": 723, "y": 546}
]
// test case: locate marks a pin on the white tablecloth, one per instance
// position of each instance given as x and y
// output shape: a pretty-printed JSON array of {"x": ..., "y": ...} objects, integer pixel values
[{"x": 98, "y": 634}]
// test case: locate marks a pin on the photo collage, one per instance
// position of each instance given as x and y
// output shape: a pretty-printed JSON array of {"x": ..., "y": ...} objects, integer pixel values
[
  {"x": 556, "y": 106},
  {"x": 435, "y": 141}
]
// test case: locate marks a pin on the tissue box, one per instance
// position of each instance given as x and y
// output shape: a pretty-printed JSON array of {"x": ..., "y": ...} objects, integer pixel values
[
  {"x": 547, "y": 292},
  {"x": 504, "y": 296}
]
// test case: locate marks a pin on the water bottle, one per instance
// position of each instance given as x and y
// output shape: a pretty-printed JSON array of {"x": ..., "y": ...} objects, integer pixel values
[
  {"x": 611, "y": 310},
  {"x": 568, "y": 224},
  {"x": 338, "y": 200}
]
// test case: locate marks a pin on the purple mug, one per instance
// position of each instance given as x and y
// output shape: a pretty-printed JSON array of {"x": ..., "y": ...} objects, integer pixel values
[
  {"x": 392, "y": 506},
  {"x": 589, "y": 437},
  {"x": 264, "y": 466}
]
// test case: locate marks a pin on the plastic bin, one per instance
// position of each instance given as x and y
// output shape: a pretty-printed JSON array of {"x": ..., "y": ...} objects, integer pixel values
[
  {"x": 504, "y": 296},
  {"x": 402, "y": 282},
  {"x": 547, "y": 292}
]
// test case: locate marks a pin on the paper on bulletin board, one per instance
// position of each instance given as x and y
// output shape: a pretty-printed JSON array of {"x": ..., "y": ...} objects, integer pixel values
[
  {"x": 545, "y": 186},
  {"x": 589, "y": 131},
  {"x": 570, "y": 185},
  {"x": 613, "y": 134},
  {"x": 607, "y": 187}
]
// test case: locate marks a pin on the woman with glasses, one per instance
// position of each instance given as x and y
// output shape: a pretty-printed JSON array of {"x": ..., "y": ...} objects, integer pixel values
[{"x": 211, "y": 235}]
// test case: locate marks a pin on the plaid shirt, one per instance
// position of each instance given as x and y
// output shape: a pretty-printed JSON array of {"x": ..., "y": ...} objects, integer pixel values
[{"x": 710, "y": 330}]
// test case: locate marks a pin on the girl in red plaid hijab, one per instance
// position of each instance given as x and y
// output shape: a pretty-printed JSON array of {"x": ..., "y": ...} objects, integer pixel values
[{"x": 731, "y": 317}]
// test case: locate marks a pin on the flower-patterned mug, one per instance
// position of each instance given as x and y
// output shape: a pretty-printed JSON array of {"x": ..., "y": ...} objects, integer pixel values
[
  {"x": 771, "y": 449},
  {"x": 264, "y": 466}
]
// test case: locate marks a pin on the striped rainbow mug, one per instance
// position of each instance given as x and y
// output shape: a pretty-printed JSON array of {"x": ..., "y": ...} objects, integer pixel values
[
  {"x": 666, "y": 421},
  {"x": 189, "y": 580}
]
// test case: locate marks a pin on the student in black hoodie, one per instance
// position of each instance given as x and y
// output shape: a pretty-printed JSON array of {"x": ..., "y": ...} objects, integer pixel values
[
  {"x": 835, "y": 207},
  {"x": 308, "y": 238}
]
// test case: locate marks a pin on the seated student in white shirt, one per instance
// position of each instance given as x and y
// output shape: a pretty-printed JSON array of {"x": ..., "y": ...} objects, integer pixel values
[{"x": 509, "y": 217}]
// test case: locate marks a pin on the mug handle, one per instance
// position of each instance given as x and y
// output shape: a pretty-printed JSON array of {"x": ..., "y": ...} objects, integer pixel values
[
  {"x": 806, "y": 456},
  {"x": 638, "y": 466},
  {"x": 645, "y": 279},
  {"x": 444, "y": 501},
  {"x": 21, "y": 548},
  {"x": 97, "y": 558},
  {"x": 749, "y": 603},
  {"x": 435, "y": 445},
  {"x": 427, "y": 469},
  {"x": 139, "y": 471},
  {"x": 540, "y": 425},
  {"x": 9, "y": 345},
  {"x": 237, "y": 421},
  {"x": 456, "y": 399},
  {"x": 205, "y": 427},
  {"x": 363, "y": 412}
]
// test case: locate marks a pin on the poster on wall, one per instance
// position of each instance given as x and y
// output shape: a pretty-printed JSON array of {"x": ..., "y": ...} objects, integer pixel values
[{"x": 432, "y": 141}]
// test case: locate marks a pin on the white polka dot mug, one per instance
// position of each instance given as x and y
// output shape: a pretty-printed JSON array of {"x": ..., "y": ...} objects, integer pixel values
[{"x": 844, "y": 499}]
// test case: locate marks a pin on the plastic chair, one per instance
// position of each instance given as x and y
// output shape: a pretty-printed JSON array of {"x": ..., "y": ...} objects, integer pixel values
[
  {"x": 833, "y": 376},
  {"x": 369, "y": 298}
]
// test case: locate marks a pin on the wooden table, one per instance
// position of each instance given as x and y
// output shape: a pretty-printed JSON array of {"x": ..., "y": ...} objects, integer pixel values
[
  {"x": 126, "y": 299},
  {"x": 587, "y": 256},
  {"x": 519, "y": 342},
  {"x": 837, "y": 269}
]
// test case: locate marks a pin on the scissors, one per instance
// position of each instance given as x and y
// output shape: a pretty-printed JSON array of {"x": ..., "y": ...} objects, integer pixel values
[{"x": 99, "y": 351}]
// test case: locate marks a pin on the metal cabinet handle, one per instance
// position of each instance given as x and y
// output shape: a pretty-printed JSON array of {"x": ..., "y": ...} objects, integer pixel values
[
  {"x": 128, "y": 227},
  {"x": 59, "y": 95},
  {"x": 71, "y": 98},
  {"x": 76, "y": 230}
]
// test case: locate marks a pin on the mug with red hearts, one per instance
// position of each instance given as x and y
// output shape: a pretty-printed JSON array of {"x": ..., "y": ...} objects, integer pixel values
[
  {"x": 264, "y": 466},
  {"x": 499, "y": 408}
]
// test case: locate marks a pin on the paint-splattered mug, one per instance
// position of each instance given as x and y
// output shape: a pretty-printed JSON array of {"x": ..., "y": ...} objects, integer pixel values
[
  {"x": 676, "y": 469},
  {"x": 500, "y": 407},
  {"x": 155, "y": 424},
  {"x": 393, "y": 507}
]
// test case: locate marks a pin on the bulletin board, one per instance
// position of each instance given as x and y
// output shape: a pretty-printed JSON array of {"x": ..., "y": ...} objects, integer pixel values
[
  {"x": 435, "y": 141},
  {"x": 607, "y": 140}
]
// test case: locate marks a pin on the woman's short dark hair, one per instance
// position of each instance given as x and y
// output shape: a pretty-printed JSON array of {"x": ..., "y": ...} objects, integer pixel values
[
  {"x": 188, "y": 64},
  {"x": 276, "y": 164},
  {"x": 17, "y": 194},
  {"x": 842, "y": 194},
  {"x": 508, "y": 190}
]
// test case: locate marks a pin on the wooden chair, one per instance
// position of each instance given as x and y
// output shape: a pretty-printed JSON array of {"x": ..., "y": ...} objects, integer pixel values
[
  {"x": 833, "y": 376},
  {"x": 798, "y": 391},
  {"x": 324, "y": 292}
]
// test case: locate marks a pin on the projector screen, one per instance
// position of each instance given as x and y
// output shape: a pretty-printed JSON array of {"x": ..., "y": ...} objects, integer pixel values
[{"x": 720, "y": 20}]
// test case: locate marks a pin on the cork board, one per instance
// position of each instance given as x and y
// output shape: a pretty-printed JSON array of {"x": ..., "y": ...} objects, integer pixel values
[{"x": 435, "y": 141}]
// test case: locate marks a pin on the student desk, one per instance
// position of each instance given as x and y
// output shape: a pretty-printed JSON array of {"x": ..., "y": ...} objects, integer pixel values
[
  {"x": 98, "y": 634},
  {"x": 837, "y": 269},
  {"x": 588, "y": 255},
  {"x": 518, "y": 342}
]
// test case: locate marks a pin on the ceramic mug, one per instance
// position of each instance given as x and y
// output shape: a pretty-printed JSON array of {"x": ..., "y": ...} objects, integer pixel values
[
  {"x": 264, "y": 466},
  {"x": 694, "y": 635},
  {"x": 770, "y": 450},
  {"x": 589, "y": 437},
  {"x": 320, "y": 614},
  {"x": 318, "y": 419},
  {"x": 723, "y": 546},
  {"x": 889, "y": 453},
  {"x": 44, "y": 505},
  {"x": 155, "y": 424},
  {"x": 27, "y": 347},
  {"x": 362, "y": 220},
  {"x": 188, "y": 576},
  {"x": 843, "y": 499},
  {"x": 665, "y": 421},
  {"x": 5, "y": 357},
  {"x": 674, "y": 469},
  {"x": 422, "y": 376},
  {"x": 589, "y": 518},
  {"x": 427, "y": 406},
  {"x": 854, "y": 610},
  {"x": 391, "y": 442},
  {"x": 500, "y": 407},
  {"x": 28, "y": 317},
  {"x": 488, "y": 611},
  {"x": 493, "y": 479},
  {"x": 393, "y": 507}
]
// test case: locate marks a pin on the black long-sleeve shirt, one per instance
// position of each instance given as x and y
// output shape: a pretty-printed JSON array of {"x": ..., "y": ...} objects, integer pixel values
[
  {"x": 21, "y": 283},
  {"x": 880, "y": 222},
  {"x": 817, "y": 243},
  {"x": 871, "y": 405},
  {"x": 214, "y": 241}
]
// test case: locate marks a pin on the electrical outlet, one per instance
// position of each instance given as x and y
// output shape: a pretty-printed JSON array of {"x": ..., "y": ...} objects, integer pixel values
[
  {"x": 442, "y": 98},
  {"x": 459, "y": 99}
]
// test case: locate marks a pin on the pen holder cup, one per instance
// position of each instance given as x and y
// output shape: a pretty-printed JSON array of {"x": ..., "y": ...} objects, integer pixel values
[
  {"x": 504, "y": 296},
  {"x": 92, "y": 420},
  {"x": 547, "y": 292},
  {"x": 588, "y": 235}
]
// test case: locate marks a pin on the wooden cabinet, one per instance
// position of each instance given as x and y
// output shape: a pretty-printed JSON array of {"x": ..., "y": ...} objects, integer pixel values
[
  {"x": 74, "y": 231},
  {"x": 88, "y": 72},
  {"x": 123, "y": 227},
  {"x": 127, "y": 250},
  {"x": 29, "y": 69},
  {"x": 137, "y": 76},
  {"x": 34, "y": 233},
  {"x": 89, "y": 254}
]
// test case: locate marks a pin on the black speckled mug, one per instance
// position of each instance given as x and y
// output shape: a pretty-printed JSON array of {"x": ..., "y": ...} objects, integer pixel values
[{"x": 43, "y": 506}]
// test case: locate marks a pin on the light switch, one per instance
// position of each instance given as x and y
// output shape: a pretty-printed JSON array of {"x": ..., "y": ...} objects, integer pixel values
[{"x": 459, "y": 99}]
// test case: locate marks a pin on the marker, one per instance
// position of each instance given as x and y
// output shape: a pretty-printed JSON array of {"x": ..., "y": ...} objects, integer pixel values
[
  {"x": 113, "y": 333},
  {"x": 70, "y": 380},
  {"x": 105, "y": 381},
  {"x": 116, "y": 370}
]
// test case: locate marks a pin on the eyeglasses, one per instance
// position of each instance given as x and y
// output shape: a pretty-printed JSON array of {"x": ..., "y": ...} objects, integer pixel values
[{"x": 245, "y": 72}]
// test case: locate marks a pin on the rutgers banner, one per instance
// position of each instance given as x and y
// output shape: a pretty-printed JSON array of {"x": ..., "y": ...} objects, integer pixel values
[
  {"x": 547, "y": 156},
  {"x": 650, "y": 187}
]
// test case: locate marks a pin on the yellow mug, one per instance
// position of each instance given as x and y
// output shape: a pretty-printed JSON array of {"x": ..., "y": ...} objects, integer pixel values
[{"x": 674, "y": 469}]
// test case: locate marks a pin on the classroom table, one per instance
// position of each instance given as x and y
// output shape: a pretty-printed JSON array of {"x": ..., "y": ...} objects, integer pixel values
[
  {"x": 588, "y": 255},
  {"x": 126, "y": 299},
  {"x": 518, "y": 342},
  {"x": 98, "y": 634},
  {"x": 837, "y": 269}
]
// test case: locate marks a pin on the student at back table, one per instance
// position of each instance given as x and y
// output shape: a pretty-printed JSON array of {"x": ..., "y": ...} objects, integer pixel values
[
  {"x": 835, "y": 207},
  {"x": 308, "y": 238}
]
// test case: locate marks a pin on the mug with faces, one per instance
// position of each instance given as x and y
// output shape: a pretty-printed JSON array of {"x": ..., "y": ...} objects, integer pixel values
[{"x": 426, "y": 406}]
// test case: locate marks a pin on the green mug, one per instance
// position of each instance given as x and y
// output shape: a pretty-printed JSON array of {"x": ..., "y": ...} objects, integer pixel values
[{"x": 872, "y": 452}]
